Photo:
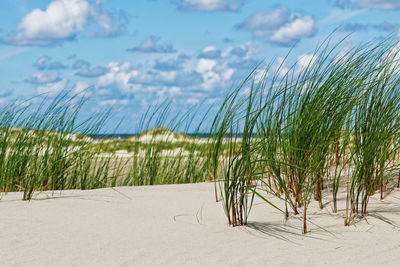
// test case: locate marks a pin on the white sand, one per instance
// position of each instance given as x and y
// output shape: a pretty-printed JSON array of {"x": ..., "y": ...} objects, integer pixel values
[{"x": 181, "y": 225}]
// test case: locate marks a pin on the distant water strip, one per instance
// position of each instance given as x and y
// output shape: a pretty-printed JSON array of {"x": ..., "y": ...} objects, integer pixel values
[{"x": 126, "y": 136}]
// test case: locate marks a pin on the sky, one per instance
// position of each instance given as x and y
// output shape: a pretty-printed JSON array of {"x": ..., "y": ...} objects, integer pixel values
[{"x": 127, "y": 55}]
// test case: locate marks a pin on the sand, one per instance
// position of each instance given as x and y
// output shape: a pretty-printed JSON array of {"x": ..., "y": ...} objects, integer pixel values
[{"x": 182, "y": 225}]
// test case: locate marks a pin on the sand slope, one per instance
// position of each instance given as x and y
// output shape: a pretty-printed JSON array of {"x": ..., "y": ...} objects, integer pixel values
[{"x": 181, "y": 225}]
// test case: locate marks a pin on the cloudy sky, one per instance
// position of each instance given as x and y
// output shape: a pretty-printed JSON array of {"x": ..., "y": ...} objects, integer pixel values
[{"x": 130, "y": 54}]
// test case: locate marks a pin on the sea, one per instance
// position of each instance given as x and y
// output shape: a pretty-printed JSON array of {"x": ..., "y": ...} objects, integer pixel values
[{"x": 128, "y": 135}]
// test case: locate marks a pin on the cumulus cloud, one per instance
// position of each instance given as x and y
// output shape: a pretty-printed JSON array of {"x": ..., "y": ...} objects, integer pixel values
[
  {"x": 214, "y": 75},
  {"x": 306, "y": 60},
  {"x": 208, "y": 5},
  {"x": 125, "y": 79},
  {"x": 118, "y": 75},
  {"x": 91, "y": 72},
  {"x": 171, "y": 64},
  {"x": 266, "y": 21},
  {"x": 81, "y": 64},
  {"x": 42, "y": 78},
  {"x": 210, "y": 52},
  {"x": 178, "y": 76},
  {"x": 384, "y": 26},
  {"x": 114, "y": 102},
  {"x": 379, "y": 4},
  {"x": 150, "y": 45},
  {"x": 282, "y": 67},
  {"x": 81, "y": 87},
  {"x": 205, "y": 65},
  {"x": 279, "y": 26},
  {"x": 294, "y": 31},
  {"x": 61, "y": 20},
  {"x": 4, "y": 95},
  {"x": 167, "y": 65},
  {"x": 243, "y": 52},
  {"x": 368, "y": 4},
  {"x": 243, "y": 64},
  {"x": 45, "y": 62},
  {"x": 166, "y": 79},
  {"x": 239, "y": 51},
  {"x": 53, "y": 87},
  {"x": 103, "y": 18}
]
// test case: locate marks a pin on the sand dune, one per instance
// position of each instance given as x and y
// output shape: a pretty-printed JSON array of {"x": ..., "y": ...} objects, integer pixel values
[{"x": 181, "y": 225}]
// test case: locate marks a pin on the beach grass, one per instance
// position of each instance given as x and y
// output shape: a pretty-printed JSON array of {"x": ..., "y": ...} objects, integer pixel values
[
  {"x": 291, "y": 133},
  {"x": 313, "y": 128}
]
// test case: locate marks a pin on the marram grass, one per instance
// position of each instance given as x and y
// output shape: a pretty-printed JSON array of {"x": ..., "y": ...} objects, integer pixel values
[
  {"x": 308, "y": 126},
  {"x": 292, "y": 134}
]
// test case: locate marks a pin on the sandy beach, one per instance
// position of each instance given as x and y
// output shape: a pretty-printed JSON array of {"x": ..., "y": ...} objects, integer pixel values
[{"x": 182, "y": 225}]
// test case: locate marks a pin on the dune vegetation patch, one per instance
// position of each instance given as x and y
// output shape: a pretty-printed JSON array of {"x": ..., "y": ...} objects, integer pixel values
[{"x": 295, "y": 134}]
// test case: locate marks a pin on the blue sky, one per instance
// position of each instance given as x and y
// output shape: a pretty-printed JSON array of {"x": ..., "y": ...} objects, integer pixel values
[{"x": 131, "y": 54}]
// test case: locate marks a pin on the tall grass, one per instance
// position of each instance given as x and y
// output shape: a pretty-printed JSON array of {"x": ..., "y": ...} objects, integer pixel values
[
  {"x": 289, "y": 131},
  {"x": 39, "y": 150},
  {"x": 302, "y": 128},
  {"x": 49, "y": 148}
]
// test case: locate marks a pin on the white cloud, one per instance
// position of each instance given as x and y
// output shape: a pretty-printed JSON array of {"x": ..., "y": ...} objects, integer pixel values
[
  {"x": 91, "y": 73},
  {"x": 208, "y": 5},
  {"x": 337, "y": 15},
  {"x": 378, "y": 4},
  {"x": 209, "y": 48},
  {"x": 127, "y": 80},
  {"x": 266, "y": 21},
  {"x": 306, "y": 60},
  {"x": 52, "y": 88},
  {"x": 4, "y": 96},
  {"x": 150, "y": 45},
  {"x": 114, "y": 102},
  {"x": 210, "y": 52},
  {"x": 279, "y": 26},
  {"x": 45, "y": 62},
  {"x": 368, "y": 4},
  {"x": 280, "y": 67},
  {"x": 81, "y": 87},
  {"x": 161, "y": 76},
  {"x": 105, "y": 22},
  {"x": 205, "y": 65},
  {"x": 227, "y": 73},
  {"x": 42, "y": 78},
  {"x": 62, "y": 20},
  {"x": 169, "y": 92},
  {"x": 300, "y": 27},
  {"x": 192, "y": 101},
  {"x": 214, "y": 74},
  {"x": 118, "y": 75}
]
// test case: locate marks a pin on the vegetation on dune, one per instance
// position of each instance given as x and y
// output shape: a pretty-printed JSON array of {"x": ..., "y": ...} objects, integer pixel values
[
  {"x": 339, "y": 113},
  {"x": 292, "y": 134},
  {"x": 162, "y": 131},
  {"x": 111, "y": 146},
  {"x": 48, "y": 148}
]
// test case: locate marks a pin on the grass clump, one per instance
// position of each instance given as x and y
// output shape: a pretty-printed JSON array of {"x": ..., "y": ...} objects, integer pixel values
[
  {"x": 39, "y": 150},
  {"x": 291, "y": 133},
  {"x": 303, "y": 128}
]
